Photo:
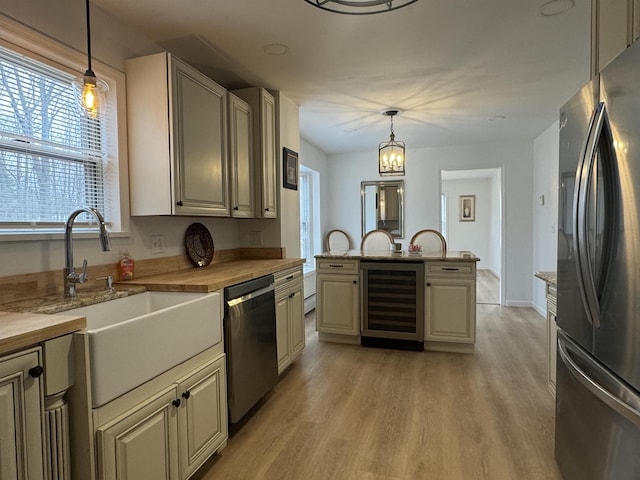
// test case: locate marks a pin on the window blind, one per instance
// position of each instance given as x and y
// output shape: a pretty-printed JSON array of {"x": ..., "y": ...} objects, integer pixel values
[{"x": 52, "y": 159}]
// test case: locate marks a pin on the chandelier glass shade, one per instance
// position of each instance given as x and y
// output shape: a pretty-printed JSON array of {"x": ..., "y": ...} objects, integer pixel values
[
  {"x": 360, "y": 7},
  {"x": 90, "y": 91},
  {"x": 391, "y": 157}
]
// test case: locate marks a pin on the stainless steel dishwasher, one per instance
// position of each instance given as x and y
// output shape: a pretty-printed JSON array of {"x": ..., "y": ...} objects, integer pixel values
[{"x": 250, "y": 343}]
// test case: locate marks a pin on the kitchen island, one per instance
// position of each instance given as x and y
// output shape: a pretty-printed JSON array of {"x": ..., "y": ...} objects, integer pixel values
[{"x": 444, "y": 300}]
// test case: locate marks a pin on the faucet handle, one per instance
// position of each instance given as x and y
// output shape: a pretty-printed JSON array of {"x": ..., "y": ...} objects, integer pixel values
[
  {"x": 109, "y": 281},
  {"x": 82, "y": 278}
]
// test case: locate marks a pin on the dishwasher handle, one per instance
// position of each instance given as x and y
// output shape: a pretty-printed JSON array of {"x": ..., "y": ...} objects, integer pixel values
[{"x": 249, "y": 296}]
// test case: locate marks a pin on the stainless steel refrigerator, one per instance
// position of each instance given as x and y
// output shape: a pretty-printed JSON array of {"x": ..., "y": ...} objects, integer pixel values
[{"x": 598, "y": 316}]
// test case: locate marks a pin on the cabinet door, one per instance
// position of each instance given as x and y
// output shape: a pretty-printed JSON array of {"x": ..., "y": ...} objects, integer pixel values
[
  {"x": 21, "y": 418},
  {"x": 142, "y": 443},
  {"x": 283, "y": 332},
  {"x": 296, "y": 315},
  {"x": 613, "y": 28},
  {"x": 199, "y": 143},
  {"x": 202, "y": 416},
  {"x": 240, "y": 158},
  {"x": 338, "y": 308},
  {"x": 450, "y": 306},
  {"x": 269, "y": 157}
]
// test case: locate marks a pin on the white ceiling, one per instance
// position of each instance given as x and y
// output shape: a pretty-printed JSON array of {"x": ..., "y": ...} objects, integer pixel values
[{"x": 453, "y": 66}]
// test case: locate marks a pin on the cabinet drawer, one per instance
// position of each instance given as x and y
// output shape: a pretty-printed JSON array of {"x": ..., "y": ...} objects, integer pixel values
[
  {"x": 327, "y": 265},
  {"x": 451, "y": 268},
  {"x": 284, "y": 276}
]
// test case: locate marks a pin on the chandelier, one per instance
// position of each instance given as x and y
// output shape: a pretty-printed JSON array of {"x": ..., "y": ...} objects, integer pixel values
[
  {"x": 360, "y": 7},
  {"x": 391, "y": 157}
]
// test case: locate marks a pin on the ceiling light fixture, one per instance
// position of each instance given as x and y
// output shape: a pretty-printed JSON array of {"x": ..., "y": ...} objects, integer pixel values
[
  {"x": 91, "y": 92},
  {"x": 391, "y": 158},
  {"x": 360, "y": 7},
  {"x": 555, "y": 7}
]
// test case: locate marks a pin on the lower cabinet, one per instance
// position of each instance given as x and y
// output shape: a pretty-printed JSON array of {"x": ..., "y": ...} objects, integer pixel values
[
  {"x": 450, "y": 305},
  {"x": 290, "y": 335},
  {"x": 169, "y": 434},
  {"x": 338, "y": 299},
  {"x": 21, "y": 416}
]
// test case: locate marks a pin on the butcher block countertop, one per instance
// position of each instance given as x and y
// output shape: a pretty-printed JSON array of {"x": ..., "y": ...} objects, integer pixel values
[
  {"x": 20, "y": 330},
  {"x": 215, "y": 276}
]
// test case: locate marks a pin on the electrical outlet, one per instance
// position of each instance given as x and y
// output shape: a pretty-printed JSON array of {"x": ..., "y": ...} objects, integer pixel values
[
  {"x": 256, "y": 238},
  {"x": 157, "y": 244}
]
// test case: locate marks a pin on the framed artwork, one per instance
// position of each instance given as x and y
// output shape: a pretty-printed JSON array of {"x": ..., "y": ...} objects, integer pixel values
[
  {"x": 289, "y": 169},
  {"x": 467, "y": 206}
]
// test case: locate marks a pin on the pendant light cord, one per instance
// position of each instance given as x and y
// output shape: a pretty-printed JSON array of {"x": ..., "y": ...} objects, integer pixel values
[{"x": 88, "y": 38}]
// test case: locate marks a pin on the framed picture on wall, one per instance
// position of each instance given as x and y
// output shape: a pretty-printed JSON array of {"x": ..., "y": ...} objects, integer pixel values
[
  {"x": 467, "y": 208},
  {"x": 289, "y": 169}
]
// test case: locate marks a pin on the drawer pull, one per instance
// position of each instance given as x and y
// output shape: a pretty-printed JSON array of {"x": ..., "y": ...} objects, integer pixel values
[
  {"x": 450, "y": 269},
  {"x": 289, "y": 277},
  {"x": 176, "y": 403},
  {"x": 335, "y": 266},
  {"x": 36, "y": 371}
]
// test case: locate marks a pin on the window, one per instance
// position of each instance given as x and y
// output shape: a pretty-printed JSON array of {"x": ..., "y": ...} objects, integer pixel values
[
  {"x": 310, "y": 243},
  {"x": 52, "y": 159}
]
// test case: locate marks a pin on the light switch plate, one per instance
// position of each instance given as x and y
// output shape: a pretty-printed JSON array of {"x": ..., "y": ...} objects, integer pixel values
[{"x": 157, "y": 244}]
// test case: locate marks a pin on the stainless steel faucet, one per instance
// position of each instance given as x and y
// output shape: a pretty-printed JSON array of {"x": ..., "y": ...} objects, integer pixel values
[{"x": 71, "y": 277}]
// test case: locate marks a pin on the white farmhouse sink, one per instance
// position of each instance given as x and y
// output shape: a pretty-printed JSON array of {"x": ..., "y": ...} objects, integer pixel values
[{"x": 135, "y": 338}]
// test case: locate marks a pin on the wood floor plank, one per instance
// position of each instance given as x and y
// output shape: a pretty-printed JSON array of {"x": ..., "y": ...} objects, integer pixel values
[{"x": 351, "y": 412}]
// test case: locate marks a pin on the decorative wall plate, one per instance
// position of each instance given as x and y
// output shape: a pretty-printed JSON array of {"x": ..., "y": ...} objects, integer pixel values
[{"x": 199, "y": 244}]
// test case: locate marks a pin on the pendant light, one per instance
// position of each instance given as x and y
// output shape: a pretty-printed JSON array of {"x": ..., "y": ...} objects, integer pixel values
[
  {"x": 91, "y": 92},
  {"x": 360, "y": 7},
  {"x": 391, "y": 157}
]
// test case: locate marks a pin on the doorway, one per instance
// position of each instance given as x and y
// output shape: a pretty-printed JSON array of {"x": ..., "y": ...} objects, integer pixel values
[{"x": 471, "y": 219}]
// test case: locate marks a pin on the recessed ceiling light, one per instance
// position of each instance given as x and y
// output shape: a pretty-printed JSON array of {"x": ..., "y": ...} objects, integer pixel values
[
  {"x": 555, "y": 7},
  {"x": 276, "y": 49}
]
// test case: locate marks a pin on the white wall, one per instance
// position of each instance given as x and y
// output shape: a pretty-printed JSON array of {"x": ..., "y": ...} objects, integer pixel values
[
  {"x": 474, "y": 236},
  {"x": 422, "y": 198},
  {"x": 545, "y": 217}
]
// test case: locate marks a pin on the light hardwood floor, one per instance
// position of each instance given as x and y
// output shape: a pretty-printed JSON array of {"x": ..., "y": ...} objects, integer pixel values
[
  {"x": 488, "y": 287},
  {"x": 351, "y": 412}
]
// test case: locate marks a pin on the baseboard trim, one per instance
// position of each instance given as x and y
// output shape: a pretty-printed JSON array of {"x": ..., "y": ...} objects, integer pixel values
[{"x": 519, "y": 303}]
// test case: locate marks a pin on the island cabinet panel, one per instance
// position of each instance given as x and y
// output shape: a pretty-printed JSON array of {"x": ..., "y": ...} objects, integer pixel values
[
  {"x": 21, "y": 417},
  {"x": 338, "y": 304},
  {"x": 450, "y": 305}
]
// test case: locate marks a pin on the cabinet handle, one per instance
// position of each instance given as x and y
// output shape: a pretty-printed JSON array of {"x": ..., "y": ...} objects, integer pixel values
[
  {"x": 36, "y": 371},
  {"x": 236, "y": 208},
  {"x": 355, "y": 282},
  {"x": 428, "y": 284},
  {"x": 289, "y": 277},
  {"x": 336, "y": 266},
  {"x": 176, "y": 402},
  {"x": 180, "y": 203},
  {"x": 450, "y": 269},
  {"x": 266, "y": 209},
  {"x": 186, "y": 395}
]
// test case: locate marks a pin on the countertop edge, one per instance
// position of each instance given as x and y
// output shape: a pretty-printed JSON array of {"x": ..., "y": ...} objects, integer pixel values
[{"x": 22, "y": 330}]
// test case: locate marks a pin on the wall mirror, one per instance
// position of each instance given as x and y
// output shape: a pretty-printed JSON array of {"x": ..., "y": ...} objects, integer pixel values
[{"x": 383, "y": 206}]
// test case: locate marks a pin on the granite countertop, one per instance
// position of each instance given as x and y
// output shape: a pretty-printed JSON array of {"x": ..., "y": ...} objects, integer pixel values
[
  {"x": 461, "y": 256},
  {"x": 549, "y": 277}
]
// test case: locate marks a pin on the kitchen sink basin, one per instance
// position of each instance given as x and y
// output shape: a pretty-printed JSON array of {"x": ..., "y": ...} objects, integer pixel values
[{"x": 135, "y": 338}]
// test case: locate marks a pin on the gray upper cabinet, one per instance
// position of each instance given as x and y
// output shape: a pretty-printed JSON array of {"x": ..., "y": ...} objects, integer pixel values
[
  {"x": 177, "y": 120},
  {"x": 265, "y": 157},
  {"x": 615, "y": 24},
  {"x": 240, "y": 158}
]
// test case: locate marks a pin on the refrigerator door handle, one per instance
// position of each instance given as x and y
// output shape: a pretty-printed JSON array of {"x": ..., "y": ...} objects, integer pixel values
[
  {"x": 584, "y": 174},
  {"x": 612, "y": 401}
]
